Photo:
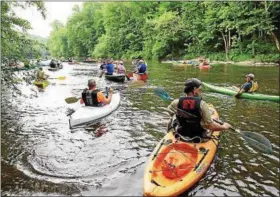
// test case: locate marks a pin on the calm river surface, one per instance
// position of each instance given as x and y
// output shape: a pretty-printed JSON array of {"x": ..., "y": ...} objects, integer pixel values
[{"x": 40, "y": 155}]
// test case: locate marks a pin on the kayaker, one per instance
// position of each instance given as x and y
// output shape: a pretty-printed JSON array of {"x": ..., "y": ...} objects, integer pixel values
[
  {"x": 41, "y": 76},
  {"x": 121, "y": 69},
  {"x": 196, "y": 116},
  {"x": 249, "y": 86},
  {"x": 142, "y": 67},
  {"x": 109, "y": 67},
  {"x": 94, "y": 97},
  {"x": 53, "y": 64}
]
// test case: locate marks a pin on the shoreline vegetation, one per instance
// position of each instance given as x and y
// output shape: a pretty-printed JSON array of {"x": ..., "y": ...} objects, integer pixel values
[{"x": 238, "y": 63}]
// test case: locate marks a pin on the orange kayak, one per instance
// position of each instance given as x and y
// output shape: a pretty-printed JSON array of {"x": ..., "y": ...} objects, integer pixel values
[{"x": 176, "y": 165}]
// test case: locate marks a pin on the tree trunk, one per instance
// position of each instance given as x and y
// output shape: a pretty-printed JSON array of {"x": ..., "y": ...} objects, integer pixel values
[
  {"x": 276, "y": 41},
  {"x": 226, "y": 43}
]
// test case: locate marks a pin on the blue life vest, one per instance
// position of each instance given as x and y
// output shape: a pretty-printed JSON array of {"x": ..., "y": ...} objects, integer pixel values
[
  {"x": 110, "y": 69},
  {"x": 142, "y": 68}
]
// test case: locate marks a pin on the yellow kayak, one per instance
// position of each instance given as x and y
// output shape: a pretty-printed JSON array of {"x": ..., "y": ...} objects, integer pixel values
[
  {"x": 176, "y": 164},
  {"x": 41, "y": 84}
]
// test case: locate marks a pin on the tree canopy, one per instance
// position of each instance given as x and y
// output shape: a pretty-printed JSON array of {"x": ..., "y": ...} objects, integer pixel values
[{"x": 164, "y": 29}]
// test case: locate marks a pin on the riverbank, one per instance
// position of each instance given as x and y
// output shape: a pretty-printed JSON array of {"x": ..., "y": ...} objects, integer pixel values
[
  {"x": 242, "y": 63},
  {"x": 246, "y": 63}
]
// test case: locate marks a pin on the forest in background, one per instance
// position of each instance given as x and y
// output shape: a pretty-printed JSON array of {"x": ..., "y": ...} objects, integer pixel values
[{"x": 231, "y": 30}]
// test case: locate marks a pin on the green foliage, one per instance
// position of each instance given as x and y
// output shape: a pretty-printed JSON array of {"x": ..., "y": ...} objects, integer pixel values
[
  {"x": 15, "y": 43},
  {"x": 230, "y": 30}
]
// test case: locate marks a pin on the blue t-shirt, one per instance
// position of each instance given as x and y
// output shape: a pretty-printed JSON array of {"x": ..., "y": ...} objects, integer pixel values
[
  {"x": 142, "y": 68},
  {"x": 247, "y": 86},
  {"x": 110, "y": 68}
]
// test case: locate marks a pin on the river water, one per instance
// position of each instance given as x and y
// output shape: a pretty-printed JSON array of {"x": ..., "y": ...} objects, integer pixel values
[{"x": 42, "y": 156}]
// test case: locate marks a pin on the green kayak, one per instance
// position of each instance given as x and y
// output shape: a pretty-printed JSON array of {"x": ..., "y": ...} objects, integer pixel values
[
  {"x": 231, "y": 92},
  {"x": 41, "y": 84}
]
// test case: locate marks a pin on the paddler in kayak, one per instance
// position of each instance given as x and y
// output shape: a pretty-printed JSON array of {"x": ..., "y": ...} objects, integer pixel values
[
  {"x": 190, "y": 115},
  {"x": 141, "y": 68},
  {"x": 41, "y": 76},
  {"x": 109, "y": 67},
  {"x": 249, "y": 86},
  {"x": 94, "y": 97}
]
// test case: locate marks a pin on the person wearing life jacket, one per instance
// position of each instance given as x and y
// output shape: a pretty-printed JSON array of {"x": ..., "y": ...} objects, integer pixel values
[
  {"x": 109, "y": 67},
  {"x": 250, "y": 85},
  {"x": 53, "y": 64},
  {"x": 190, "y": 115},
  {"x": 141, "y": 68},
  {"x": 94, "y": 97},
  {"x": 41, "y": 76}
]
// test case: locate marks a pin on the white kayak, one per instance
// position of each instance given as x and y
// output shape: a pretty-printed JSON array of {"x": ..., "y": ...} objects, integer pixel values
[{"x": 86, "y": 114}]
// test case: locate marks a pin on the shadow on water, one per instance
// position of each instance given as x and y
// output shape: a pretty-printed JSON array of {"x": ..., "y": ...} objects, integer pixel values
[{"x": 42, "y": 156}]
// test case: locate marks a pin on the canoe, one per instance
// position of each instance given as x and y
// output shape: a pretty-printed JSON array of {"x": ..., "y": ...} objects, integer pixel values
[
  {"x": 41, "y": 84},
  {"x": 116, "y": 77},
  {"x": 86, "y": 114},
  {"x": 176, "y": 165},
  {"x": 142, "y": 77},
  {"x": 228, "y": 91}
]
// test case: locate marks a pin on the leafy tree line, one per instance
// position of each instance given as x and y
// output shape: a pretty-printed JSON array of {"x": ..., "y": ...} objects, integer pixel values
[
  {"x": 231, "y": 30},
  {"x": 16, "y": 44}
]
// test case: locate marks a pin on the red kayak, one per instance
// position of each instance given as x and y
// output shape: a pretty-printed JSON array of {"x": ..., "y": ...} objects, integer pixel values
[
  {"x": 135, "y": 76},
  {"x": 205, "y": 66}
]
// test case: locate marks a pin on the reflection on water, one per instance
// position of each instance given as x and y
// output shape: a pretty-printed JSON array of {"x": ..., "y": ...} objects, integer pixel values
[{"x": 42, "y": 156}]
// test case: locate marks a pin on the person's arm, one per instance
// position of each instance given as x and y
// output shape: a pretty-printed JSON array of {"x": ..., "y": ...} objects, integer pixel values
[
  {"x": 82, "y": 101},
  {"x": 103, "y": 99},
  {"x": 244, "y": 88},
  {"x": 172, "y": 110},
  {"x": 207, "y": 121}
]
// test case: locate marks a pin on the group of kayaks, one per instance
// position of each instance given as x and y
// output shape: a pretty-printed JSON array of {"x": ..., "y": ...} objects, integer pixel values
[
  {"x": 176, "y": 163},
  {"x": 88, "y": 115}
]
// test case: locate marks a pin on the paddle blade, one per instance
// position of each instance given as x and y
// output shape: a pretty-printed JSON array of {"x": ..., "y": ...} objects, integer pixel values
[
  {"x": 70, "y": 100},
  {"x": 257, "y": 141},
  {"x": 61, "y": 78},
  {"x": 162, "y": 94}
]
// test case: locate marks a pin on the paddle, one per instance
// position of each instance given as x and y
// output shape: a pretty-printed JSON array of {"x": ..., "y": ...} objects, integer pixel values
[
  {"x": 71, "y": 100},
  {"x": 254, "y": 139},
  {"x": 59, "y": 78},
  {"x": 101, "y": 74},
  {"x": 130, "y": 74}
]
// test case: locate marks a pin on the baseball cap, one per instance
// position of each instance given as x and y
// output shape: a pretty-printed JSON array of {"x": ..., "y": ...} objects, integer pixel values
[{"x": 251, "y": 75}]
